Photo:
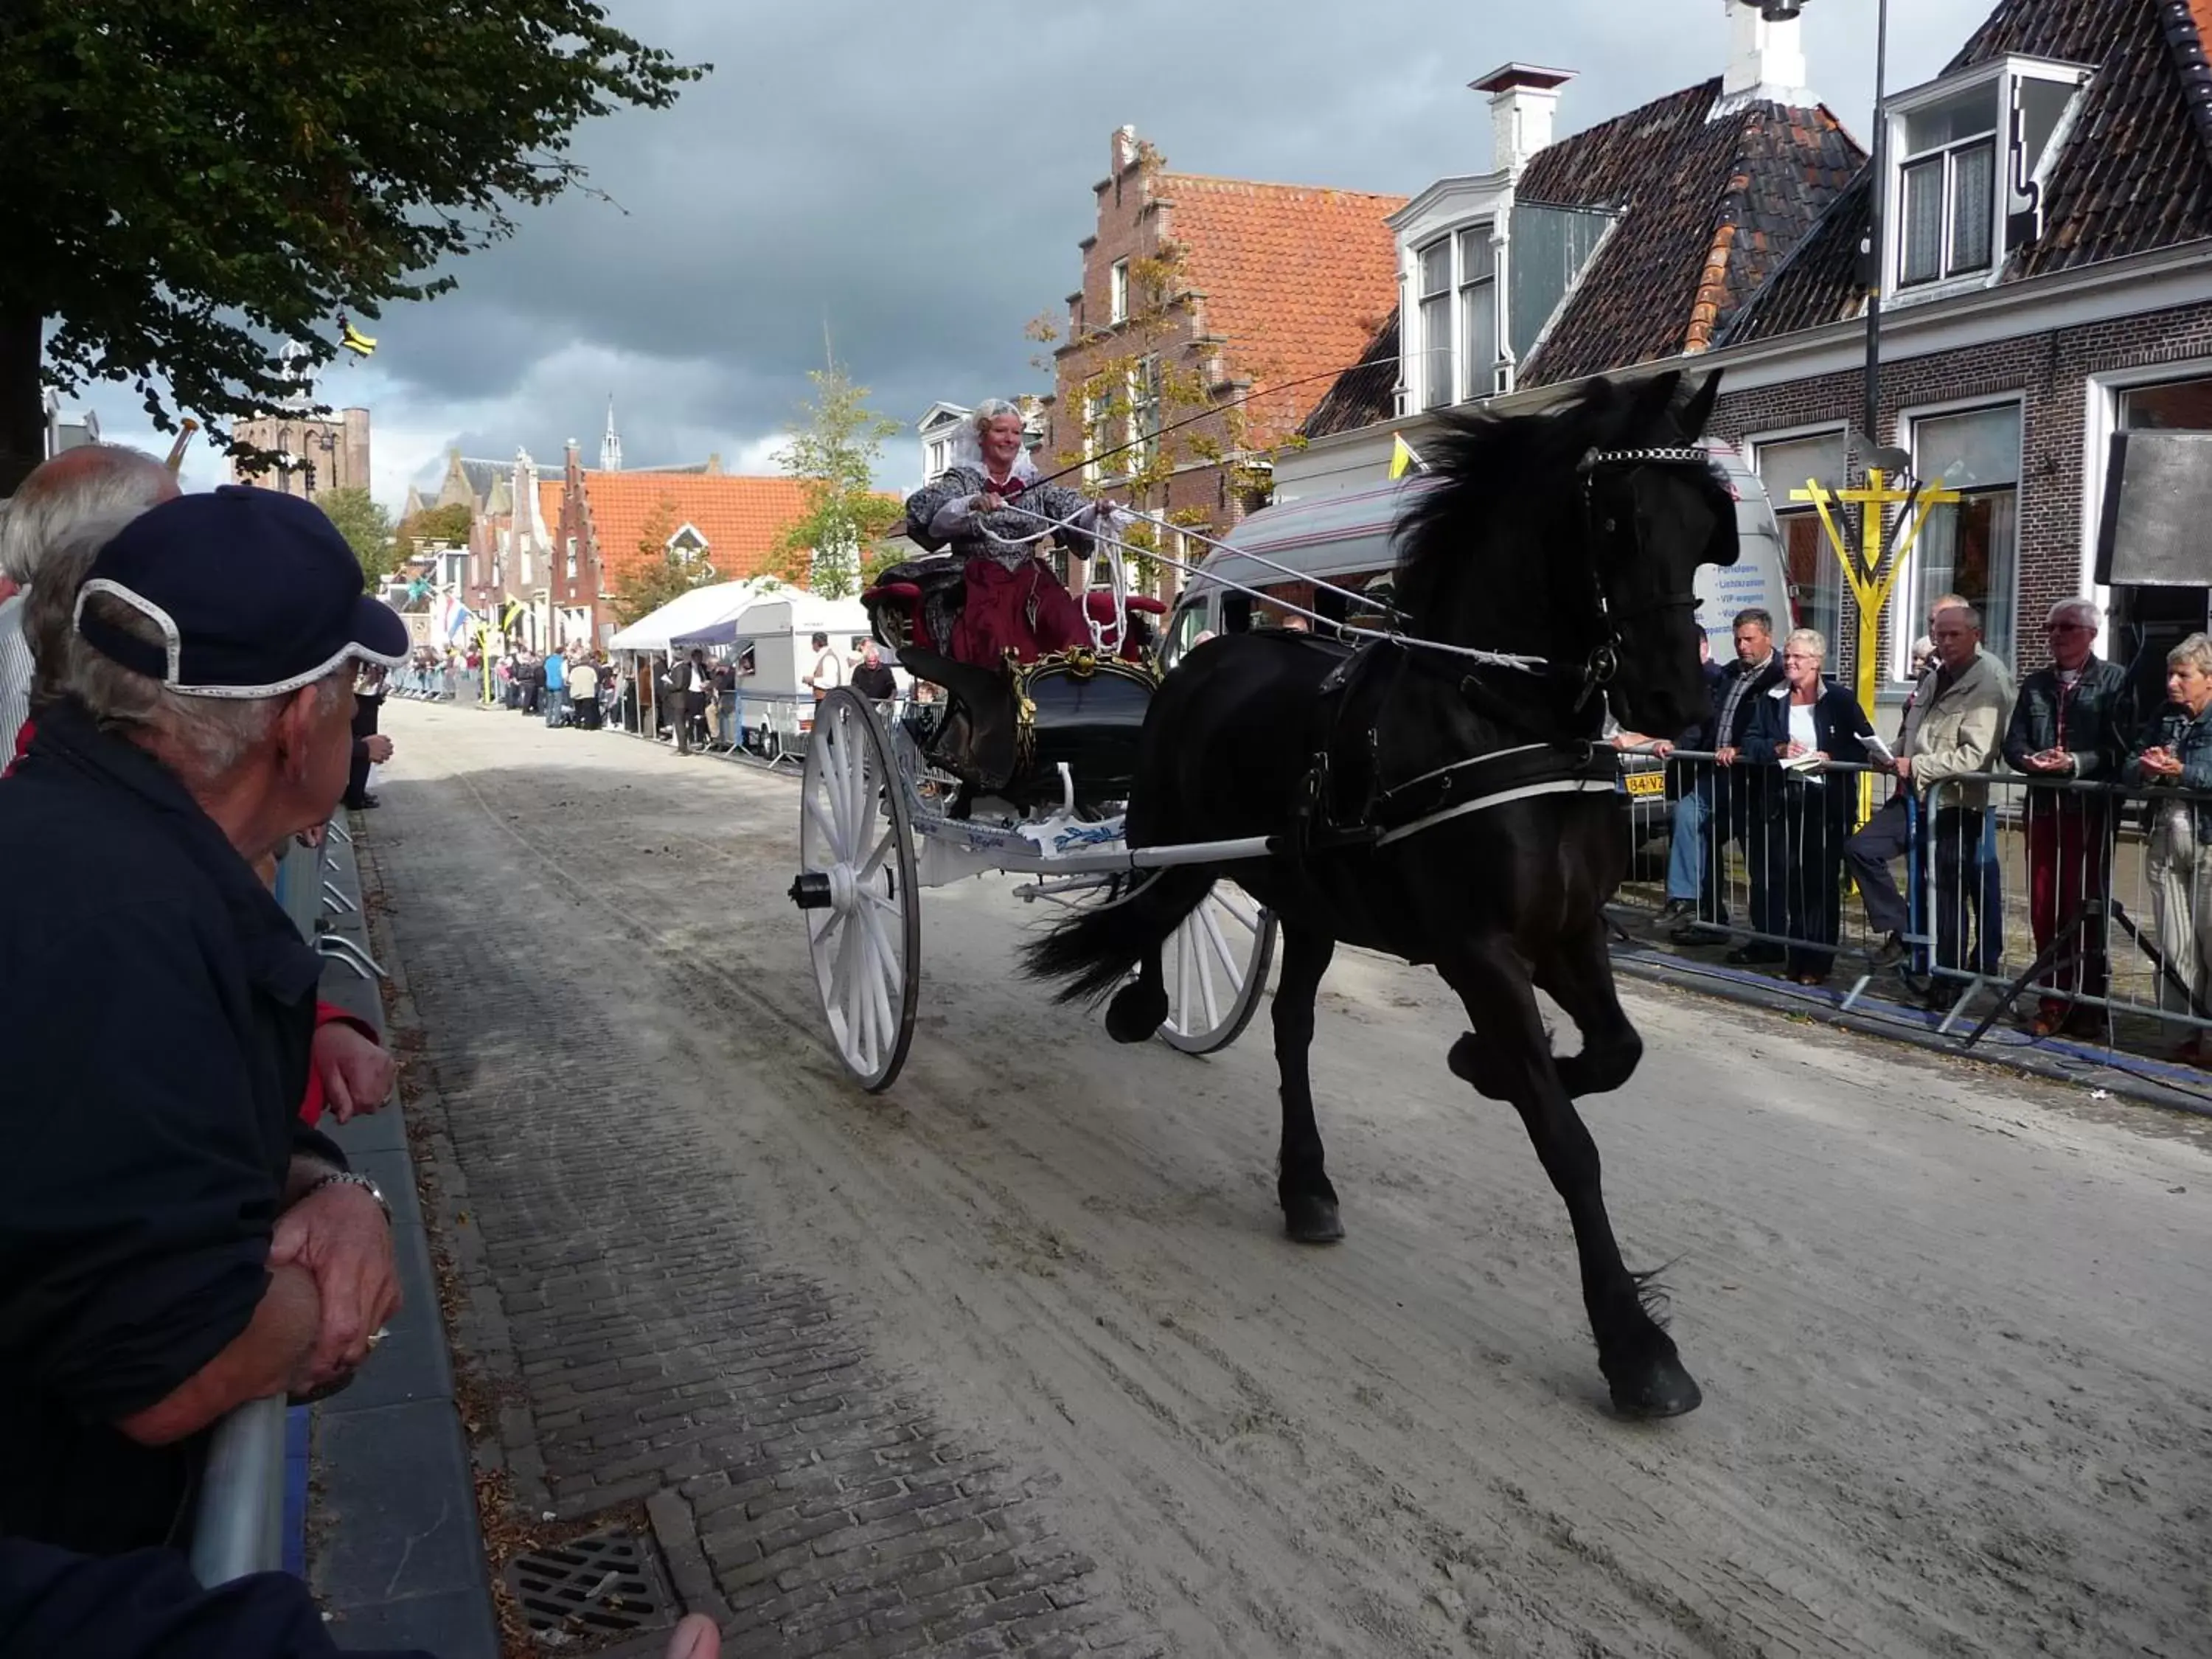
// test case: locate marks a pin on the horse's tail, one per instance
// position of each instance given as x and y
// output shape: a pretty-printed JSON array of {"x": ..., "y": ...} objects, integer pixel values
[{"x": 1094, "y": 952}]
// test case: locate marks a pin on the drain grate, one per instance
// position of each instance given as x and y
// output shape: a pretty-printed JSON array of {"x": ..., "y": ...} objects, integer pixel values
[{"x": 604, "y": 1584}]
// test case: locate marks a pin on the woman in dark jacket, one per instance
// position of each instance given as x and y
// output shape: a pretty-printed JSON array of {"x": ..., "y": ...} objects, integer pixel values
[{"x": 1810, "y": 815}]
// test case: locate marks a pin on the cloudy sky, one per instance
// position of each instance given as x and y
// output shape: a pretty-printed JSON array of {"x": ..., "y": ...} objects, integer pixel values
[{"x": 914, "y": 178}]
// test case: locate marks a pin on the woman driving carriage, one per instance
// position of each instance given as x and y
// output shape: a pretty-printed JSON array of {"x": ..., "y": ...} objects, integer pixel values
[{"x": 996, "y": 514}]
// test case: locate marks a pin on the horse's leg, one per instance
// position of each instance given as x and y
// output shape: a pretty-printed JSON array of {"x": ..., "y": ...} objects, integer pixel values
[
  {"x": 1579, "y": 974},
  {"x": 1301, "y": 1181},
  {"x": 1507, "y": 1057},
  {"x": 1138, "y": 1007}
]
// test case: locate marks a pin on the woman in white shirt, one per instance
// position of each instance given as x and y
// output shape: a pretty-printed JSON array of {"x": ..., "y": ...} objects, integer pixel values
[{"x": 1804, "y": 726}]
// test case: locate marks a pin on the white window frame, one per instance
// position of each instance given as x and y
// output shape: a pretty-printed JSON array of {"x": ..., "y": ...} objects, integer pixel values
[
  {"x": 1117, "y": 291},
  {"x": 1750, "y": 447},
  {"x": 1429, "y": 396},
  {"x": 2000, "y": 75},
  {"x": 1901, "y": 619},
  {"x": 1143, "y": 396},
  {"x": 1472, "y": 384},
  {"x": 699, "y": 549}
]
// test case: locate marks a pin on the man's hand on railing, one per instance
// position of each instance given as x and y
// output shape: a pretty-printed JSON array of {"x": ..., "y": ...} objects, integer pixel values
[
  {"x": 339, "y": 1234},
  {"x": 355, "y": 1070},
  {"x": 1726, "y": 754},
  {"x": 2160, "y": 761}
]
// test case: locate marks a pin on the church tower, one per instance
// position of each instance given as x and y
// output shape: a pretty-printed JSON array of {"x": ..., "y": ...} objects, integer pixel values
[{"x": 610, "y": 444}]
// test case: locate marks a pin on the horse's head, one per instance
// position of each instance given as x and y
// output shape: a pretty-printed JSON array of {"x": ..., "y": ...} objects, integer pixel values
[
  {"x": 1656, "y": 508},
  {"x": 1575, "y": 535}
]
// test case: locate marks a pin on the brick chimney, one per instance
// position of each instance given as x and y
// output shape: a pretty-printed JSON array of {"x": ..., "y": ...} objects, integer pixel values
[{"x": 1523, "y": 99}]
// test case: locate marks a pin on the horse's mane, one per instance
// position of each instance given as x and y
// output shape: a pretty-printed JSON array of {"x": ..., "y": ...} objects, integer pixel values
[{"x": 1494, "y": 483}]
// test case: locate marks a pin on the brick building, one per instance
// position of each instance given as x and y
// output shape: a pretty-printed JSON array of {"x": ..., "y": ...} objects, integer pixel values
[
  {"x": 316, "y": 453},
  {"x": 2046, "y": 283},
  {"x": 1257, "y": 285}
]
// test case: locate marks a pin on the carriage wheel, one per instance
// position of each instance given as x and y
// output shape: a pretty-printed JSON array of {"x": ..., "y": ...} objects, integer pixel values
[
  {"x": 857, "y": 890},
  {"x": 1216, "y": 969}
]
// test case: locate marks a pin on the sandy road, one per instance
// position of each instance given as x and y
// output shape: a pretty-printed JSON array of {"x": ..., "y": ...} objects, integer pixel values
[{"x": 1953, "y": 1329}]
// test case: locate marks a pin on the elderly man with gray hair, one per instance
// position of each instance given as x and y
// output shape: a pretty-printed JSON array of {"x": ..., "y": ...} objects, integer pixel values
[
  {"x": 174, "y": 1241},
  {"x": 93, "y": 482},
  {"x": 2073, "y": 721}
]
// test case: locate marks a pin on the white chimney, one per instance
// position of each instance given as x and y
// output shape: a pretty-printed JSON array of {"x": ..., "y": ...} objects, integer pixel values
[
  {"x": 1766, "y": 61},
  {"x": 1523, "y": 99}
]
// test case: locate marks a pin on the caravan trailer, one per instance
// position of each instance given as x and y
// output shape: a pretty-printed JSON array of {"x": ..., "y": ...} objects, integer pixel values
[{"x": 773, "y": 644}]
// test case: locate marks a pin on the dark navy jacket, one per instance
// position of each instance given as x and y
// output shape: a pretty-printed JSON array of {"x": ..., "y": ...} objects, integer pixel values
[
  {"x": 1840, "y": 725},
  {"x": 146, "y": 1605},
  {"x": 160, "y": 1006}
]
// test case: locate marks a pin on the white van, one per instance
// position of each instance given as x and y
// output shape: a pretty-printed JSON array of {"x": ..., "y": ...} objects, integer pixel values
[{"x": 1345, "y": 539}]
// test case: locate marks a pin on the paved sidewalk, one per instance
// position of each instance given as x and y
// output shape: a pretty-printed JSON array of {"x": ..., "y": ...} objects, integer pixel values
[{"x": 620, "y": 1300}]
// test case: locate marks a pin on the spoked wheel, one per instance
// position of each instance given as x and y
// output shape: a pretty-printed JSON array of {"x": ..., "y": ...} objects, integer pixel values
[
  {"x": 1216, "y": 968},
  {"x": 856, "y": 887}
]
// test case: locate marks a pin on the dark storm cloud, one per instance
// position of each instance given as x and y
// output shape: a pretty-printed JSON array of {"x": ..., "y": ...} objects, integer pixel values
[{"x": 916, "y": 178}]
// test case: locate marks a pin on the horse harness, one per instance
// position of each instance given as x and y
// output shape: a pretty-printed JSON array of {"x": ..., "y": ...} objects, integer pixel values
[
  {"x": 1344, "y": 802},
  {"x": 1341, "y": 806}
]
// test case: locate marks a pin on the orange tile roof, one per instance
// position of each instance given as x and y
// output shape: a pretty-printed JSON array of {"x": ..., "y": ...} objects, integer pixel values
[
  {"x": 550, "y": 491},
  {"x": 1296, "y": 278},
  {"x": 740, "y": 518}
]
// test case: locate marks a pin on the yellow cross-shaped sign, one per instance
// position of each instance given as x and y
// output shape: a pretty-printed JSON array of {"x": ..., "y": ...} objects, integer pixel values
[{"x": 1872, "y": 569}]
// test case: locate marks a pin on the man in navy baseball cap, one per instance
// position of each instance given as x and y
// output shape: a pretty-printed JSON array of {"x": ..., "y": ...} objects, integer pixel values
[
  {"x": 174, "y": 1241},
  {"x": 255, "y": 594}
]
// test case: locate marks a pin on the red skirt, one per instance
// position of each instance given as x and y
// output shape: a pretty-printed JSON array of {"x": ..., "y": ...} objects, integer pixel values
[{"x": 1028, "y": 611}]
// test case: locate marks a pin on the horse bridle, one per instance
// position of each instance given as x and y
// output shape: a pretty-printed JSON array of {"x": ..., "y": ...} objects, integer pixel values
[{"x": 1603, "y": 662}]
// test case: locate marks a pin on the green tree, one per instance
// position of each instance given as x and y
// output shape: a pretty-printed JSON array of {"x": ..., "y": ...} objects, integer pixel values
[
  {"x": 212, "y": 176},
  {"x": 834, "y": 444},
  {"x": 660, "y": 572},
  {"x": 449, "y": 525},
  {"x": 368, "y": 530}
]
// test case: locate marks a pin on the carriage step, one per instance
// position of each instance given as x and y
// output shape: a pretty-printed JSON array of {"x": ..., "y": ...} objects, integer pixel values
[{"x": 810, "y": 891}]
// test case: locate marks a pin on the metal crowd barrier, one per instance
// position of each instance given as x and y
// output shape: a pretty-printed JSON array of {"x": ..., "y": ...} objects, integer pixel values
[
  {"x": 2092, "y": 901},
  {"x": 2091, "y": 898},
  {"x": 238, "y": 1515}
]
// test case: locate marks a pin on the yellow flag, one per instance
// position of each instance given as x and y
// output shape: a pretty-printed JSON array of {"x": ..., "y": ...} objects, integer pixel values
[
  {"x": 1402, "y": 458},
  {"x": 354, "y": 340}
]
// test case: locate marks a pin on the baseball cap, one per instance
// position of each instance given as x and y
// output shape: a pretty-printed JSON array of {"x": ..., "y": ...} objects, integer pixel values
[{"x": 255, "y": 592}]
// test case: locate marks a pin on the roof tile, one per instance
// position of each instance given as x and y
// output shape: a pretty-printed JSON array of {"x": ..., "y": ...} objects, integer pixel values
[
  {"x": 2135, "y": 174},
  {"x": 740, "y": 519},
  {"x": 1294, "y": 277}
]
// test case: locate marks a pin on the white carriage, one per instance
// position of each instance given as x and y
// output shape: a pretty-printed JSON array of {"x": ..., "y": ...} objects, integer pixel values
[{"x": 876, "y": 828}]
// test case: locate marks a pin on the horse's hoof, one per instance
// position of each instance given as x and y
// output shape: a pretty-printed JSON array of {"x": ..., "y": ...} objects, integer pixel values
[
  {"x": 1135, "y": 1013},
  {"x": 1664, "y": 1390},
  {"x": 1311, "y": 1220}
]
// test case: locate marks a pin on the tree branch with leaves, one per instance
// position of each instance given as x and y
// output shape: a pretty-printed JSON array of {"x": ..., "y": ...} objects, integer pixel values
[
  {"x": 217, "y": 177},
  {"x": 834, "y": 444}
]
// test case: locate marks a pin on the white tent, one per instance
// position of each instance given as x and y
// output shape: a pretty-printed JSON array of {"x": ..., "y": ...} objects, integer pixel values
[{"x": 687, "y": 613}]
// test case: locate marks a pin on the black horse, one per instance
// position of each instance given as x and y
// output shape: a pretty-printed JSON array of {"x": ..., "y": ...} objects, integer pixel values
[{"x": 1450, "y": 810}]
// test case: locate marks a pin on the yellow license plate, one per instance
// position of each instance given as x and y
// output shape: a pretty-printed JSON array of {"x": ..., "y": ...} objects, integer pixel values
[{"x": 1644, "y": 785}]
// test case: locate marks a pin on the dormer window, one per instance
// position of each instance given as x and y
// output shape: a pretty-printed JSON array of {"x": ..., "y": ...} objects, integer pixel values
[
  {"x": 1970, "y": 154},
  {"x": 1947, "y": 195},
  {"x": 687, "y": 545},
  {"x": 1478, "y": 312}
]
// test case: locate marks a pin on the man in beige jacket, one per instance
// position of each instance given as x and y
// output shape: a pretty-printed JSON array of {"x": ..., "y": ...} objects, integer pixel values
[{"x": 1954, "y": 726}]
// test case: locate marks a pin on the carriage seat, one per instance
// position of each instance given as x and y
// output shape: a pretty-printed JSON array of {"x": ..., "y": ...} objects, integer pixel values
[
  {"x": 916, "y": 603},
  {"x": 1098, "y": 606}
]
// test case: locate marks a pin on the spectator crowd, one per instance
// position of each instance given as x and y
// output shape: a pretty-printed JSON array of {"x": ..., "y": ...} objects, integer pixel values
[{"x": 1774, "y": 768}]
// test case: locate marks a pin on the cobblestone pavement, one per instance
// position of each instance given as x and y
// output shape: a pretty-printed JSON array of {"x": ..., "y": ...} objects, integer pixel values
[
  {"x": 623, "y": 1285},
  {"x": 1014, "y": 1360}
]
